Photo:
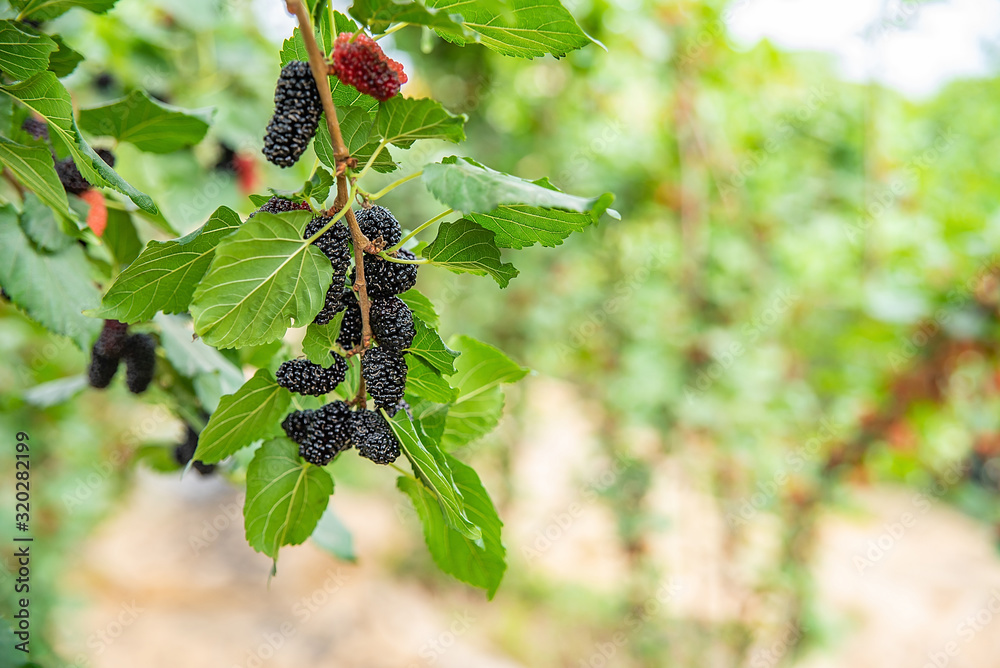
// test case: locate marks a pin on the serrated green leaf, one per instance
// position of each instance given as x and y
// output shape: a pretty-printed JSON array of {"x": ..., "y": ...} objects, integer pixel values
[
  {"x": 65, "y": 59},
  {"x": 23, "y": 50},
  {"x": 432, "y": 469},
  {"x": 380, "y": 14},
  {"x": 52, "y": 288},
  {"x": 402, "y": 120},
  {"x": 521, "y": 28},
  {"x": 147, "y": 124},
  {"x": 253, "y": 412},
  {"x": 430, "y": 416},
  {"x": 34, "y": 169},
  {"x": 464, "y": 246},
  {"x": 481, "y": 565},
  {"x": 42, "y": 226},
  {"x": 425, "y": 381},
  {"x": 46, "y": 10},
  {"x": 421, "y": 306},
  {"x": 166, "y": 273},
  {"x": 321, "y": 340},
  {"x": 518, "y": 225},
  {"x": 428, "y": 345},
  {"x": 467, "y": 186},
  {"x": 482, "y": 369},
  {"x": 285, "y": 497},
  {"x": 355, "y": 127},
  {"x": 260, "y": 280},
  {"x": 46, "y": 96}
]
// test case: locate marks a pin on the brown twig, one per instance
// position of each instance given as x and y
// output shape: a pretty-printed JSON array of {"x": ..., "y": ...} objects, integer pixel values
[{"x": 317, "y": 63}]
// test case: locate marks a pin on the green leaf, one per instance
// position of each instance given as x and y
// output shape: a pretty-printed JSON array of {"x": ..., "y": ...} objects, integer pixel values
[
  {"x": 64, "y": 60},
  {"x": 285, "y": 497},
  {"x": 425, "y": 381},
  {"x": 261, "y": 279},
  {"x": 34, "y": 169},
  {"x": 52, "y": 288},
  {"x": 402, "y": 120},
  {"x": 479, "y": 565},
  {"x": 23, "y": 50},
  {"x": 380, "y": 14},
  {"x": 41, "y": 225},
  {"x": 56, "y": 392},
  {"x": 45, "y": 10},
  {"x": 463, "y": 246},
  {"x": 428, "y": 345},
  {"x": 432, "y": 468},
  {"x": 467, "y": 186},
  {"x": 421, "y": 306},
  {"x": 191, "y": 357},
  {"x": 147, "y": 124},
  {"x": 355, "y": 127},
  {"x": 518, "y": 225},
  {"x": 334, "y": 537},
  {"x": 320, "y": 340},
  {"x": 46, "y": 96},
  {"x": 253, "y": 412},
  {"x": 121, "y": 237},
  {"x": 521, "y": 28},
  {"x": 477, "y": 410},
  {"x": 166, "y": 273}
]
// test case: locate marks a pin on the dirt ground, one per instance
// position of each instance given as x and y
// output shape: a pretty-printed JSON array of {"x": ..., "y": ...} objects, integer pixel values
[{"x": 169, "y": 581}]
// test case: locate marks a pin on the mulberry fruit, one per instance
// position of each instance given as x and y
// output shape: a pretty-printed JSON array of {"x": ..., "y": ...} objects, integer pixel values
[
  {"x": 70, "y": 176},
  {"x": 384, "y": 372},
  {"x": 297, "y": 108},
  {"x": 305, "y": 377},
  {"x": 359, "y": 61},
  {"x": 102, "y": 369},
  {"x": 111, "y": 342},
  {"x": 336, "y": 301},
  {"x": 374, "y": 438},
  {"x": 385, "y": 278},
  {"x": 379, "y": 222},
  {"x": 106, "y": 155},
  {"x": 333, "y": 243},
  {"x": 140, "y": 362},
  {"x": 279, "y": 205},
  {"x": 329, "y": 432},
  {"x": 350, "y": 326},
  {"x": 36, "y": 128},
  {"x": 392, "y": 323},
  {"x": 183, "y": 452},
  {"x": 296, "y": 425}
]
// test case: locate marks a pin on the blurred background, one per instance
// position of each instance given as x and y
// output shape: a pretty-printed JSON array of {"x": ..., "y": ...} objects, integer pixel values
[{"x": 764, "y": 424}]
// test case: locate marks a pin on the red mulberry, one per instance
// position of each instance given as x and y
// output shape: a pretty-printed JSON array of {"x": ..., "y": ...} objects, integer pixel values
[{"x": 359, "y": 61}]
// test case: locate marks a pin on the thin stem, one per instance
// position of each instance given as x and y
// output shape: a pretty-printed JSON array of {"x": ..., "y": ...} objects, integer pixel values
[
  {"x": 402, "y": 472},
  {"x": 398, "y": 26},
  {"x": 317, "y": 63},
  {"x": 419, "y": 229},
  {"x": 395, "y": 184},
  {"x": 386, "y": 256},
  {"x": 371, "y": 161}
]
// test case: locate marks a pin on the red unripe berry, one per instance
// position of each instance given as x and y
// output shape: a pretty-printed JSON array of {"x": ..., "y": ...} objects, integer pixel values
[{"x": 362, "y": 64}]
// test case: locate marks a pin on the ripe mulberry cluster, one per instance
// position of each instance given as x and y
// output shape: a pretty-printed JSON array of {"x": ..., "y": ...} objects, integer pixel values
[
  {"x": 392, "y": 323},
  {"x": 336, "y": 301},
  {"x": 333, "y": 243},
  {"x": 184, "y": 451},
  {"x": 297, "y": 109},
  {"x": 279, "y": 205},
  {"x": 358, "y": 61},
  {"x": 378, "y": 222},
  {"x": 334, "y": 428},
  {"x": 309, "y": 378},
  {"x": 115, "y": 344},
  {"x": 384, "y": 372},
  {"x": 351, "y": 325}
]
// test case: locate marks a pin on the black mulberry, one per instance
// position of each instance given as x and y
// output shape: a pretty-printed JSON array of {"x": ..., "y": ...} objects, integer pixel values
[
  {"x": 36, "y": 128},
  {"x": 111, "y": 342},
  {"x": 140, "y": 362},
  {"x": 385, "y": 279},
  {"x": 333, "y": 243},
  {"x": 296, "y": 425},
  {"x": 336, "y": 301},
  {"x": 350, "y": 326},
  {"x": 379, "y": 222},
  {"x": 329, "y": 432},
  {"x": 279, "y": 205},
  {"x": 102, "y": 369},
  {"x": 384, "y": 372},
  {"x": 392, "y": 323},
  {"x": 183, "y": 452},
  {"x": 70, "y": 176},
  {"x": 374, "y": 438},
  {"x": 305, "y": 377},
  {"x": 297, "y": 108}
]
